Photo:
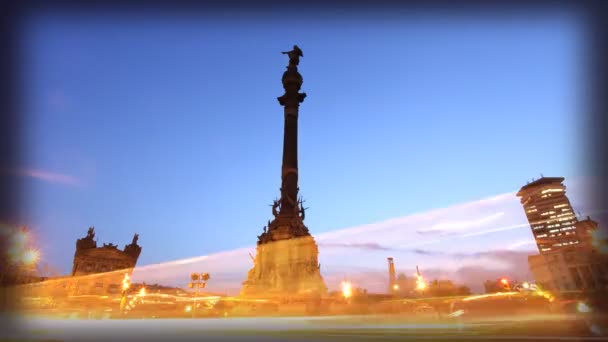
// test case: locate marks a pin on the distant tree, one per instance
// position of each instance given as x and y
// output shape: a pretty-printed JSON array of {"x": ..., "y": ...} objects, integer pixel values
[{"x": 463, "y": 291}]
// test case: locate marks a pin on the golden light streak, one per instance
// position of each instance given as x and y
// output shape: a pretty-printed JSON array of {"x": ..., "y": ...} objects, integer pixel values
[
  {"x": 490, "y": 295},
  {"x": 456, "y": 313}
]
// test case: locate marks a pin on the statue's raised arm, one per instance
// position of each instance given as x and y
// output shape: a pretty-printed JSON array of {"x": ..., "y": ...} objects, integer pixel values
[{"x": 294, "y": 56}]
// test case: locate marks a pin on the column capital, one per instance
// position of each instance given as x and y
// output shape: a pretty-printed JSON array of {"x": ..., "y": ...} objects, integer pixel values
[{"x": 291, "y": 99}]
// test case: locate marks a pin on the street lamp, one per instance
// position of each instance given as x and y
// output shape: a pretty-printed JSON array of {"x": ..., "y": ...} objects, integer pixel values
[
  {"x": 199, "y": 280},
  {"x": 126, "y": 283}
]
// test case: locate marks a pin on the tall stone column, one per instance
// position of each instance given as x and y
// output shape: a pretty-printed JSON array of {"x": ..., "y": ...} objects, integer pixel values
[
  {"x": 286, "y": 262},
  {"x": 292, "y": 81}
]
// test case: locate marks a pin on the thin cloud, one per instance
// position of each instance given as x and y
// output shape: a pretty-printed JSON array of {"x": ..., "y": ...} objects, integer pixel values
[
  {"x": 416, "y": 222},
  {"x": 492, "y": 253},
  {"x": 48, "y": 176},
  {"x": 365, "y": 246}
]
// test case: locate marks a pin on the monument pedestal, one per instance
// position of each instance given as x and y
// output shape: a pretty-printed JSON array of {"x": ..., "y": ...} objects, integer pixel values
[{"x": 285, "y": 266}]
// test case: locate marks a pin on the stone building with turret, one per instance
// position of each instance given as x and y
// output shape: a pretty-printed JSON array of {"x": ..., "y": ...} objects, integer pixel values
[
  {"x": 95, "y": 271},
  {"x": 91, "y": 259}
]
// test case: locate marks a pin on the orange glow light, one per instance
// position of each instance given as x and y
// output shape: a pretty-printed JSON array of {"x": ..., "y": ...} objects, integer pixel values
[
  {"x": 126, "y": 282},
  {"x": 420, "y": 283},
  {"x": 347, "y": 290}
]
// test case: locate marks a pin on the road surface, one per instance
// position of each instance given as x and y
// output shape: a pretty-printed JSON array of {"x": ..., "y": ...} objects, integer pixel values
[{"x": 336, "y": 328}]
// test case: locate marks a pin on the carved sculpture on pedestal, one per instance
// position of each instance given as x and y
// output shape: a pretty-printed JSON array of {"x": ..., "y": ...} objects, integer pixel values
[{"x": 286, "y": 263}]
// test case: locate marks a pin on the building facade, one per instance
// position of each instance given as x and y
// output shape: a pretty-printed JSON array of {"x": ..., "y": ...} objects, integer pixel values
[
  {"x": 585, "y": 230},
  {"x": 90, "y": 259},
  {"x": 549, "y": 213},
  {"x": 576, "y": 268}
]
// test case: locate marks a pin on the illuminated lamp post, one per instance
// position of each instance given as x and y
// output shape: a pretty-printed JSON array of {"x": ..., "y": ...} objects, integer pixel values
[
  {"x": 142, "y": 293},
  {"x": 199, "y": 280},
  {"x": 126, "y": 283}
]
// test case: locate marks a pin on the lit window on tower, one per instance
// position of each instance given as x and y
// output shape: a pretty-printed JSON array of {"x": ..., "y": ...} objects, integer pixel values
[{"x": 551, "y": 190}]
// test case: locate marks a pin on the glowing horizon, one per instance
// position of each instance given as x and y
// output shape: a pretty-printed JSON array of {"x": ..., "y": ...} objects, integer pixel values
[{"x": 398, "y": 237}]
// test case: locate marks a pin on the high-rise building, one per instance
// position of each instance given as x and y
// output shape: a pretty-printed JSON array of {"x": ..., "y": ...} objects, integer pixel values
[
  {"x": 568, "y": 259},
  {"x": 549, "y": 213}
]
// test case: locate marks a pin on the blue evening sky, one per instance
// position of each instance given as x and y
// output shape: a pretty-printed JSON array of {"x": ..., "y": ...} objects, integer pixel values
[{"x": 171, "y": 127}]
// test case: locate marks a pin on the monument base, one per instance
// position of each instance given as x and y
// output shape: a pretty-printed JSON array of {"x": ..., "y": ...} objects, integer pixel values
[{"x": 285, "y": 268}]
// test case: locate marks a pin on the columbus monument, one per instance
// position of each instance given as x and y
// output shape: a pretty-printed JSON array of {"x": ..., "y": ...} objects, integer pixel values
[{"x": 286, "y": 262}]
